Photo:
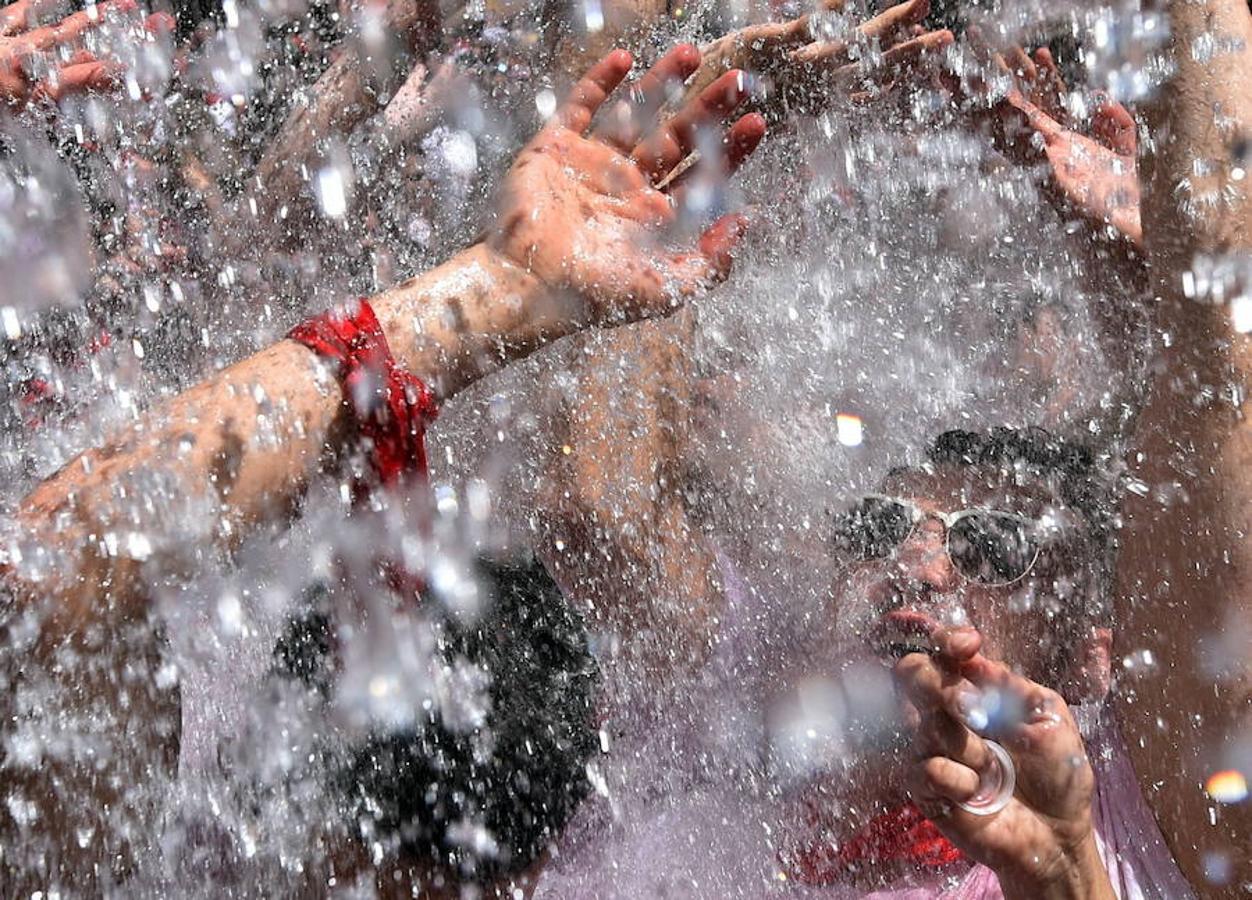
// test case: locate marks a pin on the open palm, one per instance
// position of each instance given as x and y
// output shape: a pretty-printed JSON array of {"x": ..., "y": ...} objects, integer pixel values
[
  {"x": 1096, "y": 171},
  {"x": 1098, "y": 176},
  {"x": 590, "y": 213},
  {"x": 72, "y": 68}
]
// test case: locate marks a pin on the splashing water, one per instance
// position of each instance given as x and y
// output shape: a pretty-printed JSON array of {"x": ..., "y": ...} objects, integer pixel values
[
  {"x": 45, "y": 245},
  {"x": 904, "y": 277}
]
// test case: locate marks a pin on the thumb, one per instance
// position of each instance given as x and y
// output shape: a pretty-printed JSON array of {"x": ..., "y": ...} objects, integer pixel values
[{"x": 718, "y": 242}]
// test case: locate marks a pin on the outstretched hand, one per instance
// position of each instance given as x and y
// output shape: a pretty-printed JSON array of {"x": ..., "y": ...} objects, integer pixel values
[
  {"x": 589, "y": 212},
  {"x": 71, "y": 68},
  {"x": 802, "y": 67},
  {"x": 957, "y": 696},
  {"x": 1096, "y": 172}
]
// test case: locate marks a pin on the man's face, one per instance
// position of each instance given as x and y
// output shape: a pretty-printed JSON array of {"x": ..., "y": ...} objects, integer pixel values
[{"x": 925, "y": 572}]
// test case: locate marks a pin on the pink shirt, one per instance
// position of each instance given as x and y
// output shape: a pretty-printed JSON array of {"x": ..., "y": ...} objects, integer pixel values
[{"x": 671, "y": 818}]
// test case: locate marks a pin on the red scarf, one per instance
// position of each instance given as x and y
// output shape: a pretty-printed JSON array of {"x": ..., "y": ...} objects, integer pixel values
[
  {"x": 390, "y": 406},
  {"x": 899, "y": 836}
]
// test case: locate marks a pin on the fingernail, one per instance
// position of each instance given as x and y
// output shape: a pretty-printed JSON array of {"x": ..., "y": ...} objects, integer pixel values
[{"x": 964, "y": 638}]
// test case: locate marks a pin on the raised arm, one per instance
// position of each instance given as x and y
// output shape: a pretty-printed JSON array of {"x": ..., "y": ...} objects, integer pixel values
[
  {"x": 347, "y": 94},
  {"x": 1185, "y": 572},
  {"x": 577, "y": 243},
  {"x": 804, "y": 67}
]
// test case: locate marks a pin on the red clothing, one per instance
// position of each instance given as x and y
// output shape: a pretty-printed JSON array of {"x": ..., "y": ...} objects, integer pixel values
[{"x": 390, "y": 406}]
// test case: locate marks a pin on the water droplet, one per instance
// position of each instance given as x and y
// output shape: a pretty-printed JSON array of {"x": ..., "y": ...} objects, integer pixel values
[
  {"x": 849, "y": 430},
  {"x": 332, "y": 192},
  {"x": 545, "y": 102},
  {"x": 593, "y": 15}
]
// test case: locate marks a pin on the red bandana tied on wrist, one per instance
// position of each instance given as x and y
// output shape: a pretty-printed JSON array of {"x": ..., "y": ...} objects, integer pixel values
[
  {"x": 390, "y": 406},
  {"x": 899, "y": 836}
]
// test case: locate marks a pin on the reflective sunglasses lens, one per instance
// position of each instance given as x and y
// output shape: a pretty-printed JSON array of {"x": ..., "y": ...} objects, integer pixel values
[
  {"x": 873, "y": 527},
  {"x": 990, "y": 548}
]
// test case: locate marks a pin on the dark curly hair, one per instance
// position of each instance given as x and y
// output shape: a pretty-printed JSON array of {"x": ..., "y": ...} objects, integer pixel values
[
  {"x": 1082, "y": 482},
  {"x": 1079, "y": 475},
  {"x": 519, "y": 776}
]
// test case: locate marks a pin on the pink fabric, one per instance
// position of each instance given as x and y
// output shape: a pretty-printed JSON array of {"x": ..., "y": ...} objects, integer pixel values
[
  {"x": 660, "y": 828},
  {"x": 1134, "y": 852},
  {"x": 711, "y": 843},
  {"x": 1131, "y": 844}
]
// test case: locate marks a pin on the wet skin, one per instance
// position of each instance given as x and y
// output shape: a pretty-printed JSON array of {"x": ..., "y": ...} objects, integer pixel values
[
  {"x": 1027, "y": 624},
  {"x": 1026, "y": 642}
]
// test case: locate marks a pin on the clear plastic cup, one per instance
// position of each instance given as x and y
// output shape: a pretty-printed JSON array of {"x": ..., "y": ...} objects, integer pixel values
[{"x": 995, "y": 783}]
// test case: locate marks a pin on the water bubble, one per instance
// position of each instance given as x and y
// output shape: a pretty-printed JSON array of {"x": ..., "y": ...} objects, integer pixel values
[
  {"x": 807, "y": 729},
  {"x": 332, "y": 192},
  {"x": 1218, "y": 867},
  {"x": 230, "y": 614},
  {"x": 545, "y": 102},
  {"x": 46, "y": 256},
  {"x": 460, "y": 153},
  {"x": 849, "y": 430},
  {"x": 1241, "y": 313},
  {"x": 1141, "y": 662},
  {"x": 1122, "y": 54},
  {"x": 593, "y": 16},
  {"x": 23, "y": 811}
]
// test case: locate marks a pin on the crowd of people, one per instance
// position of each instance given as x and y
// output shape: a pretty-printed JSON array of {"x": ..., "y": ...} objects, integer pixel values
[{"x": 996, "y": 584}]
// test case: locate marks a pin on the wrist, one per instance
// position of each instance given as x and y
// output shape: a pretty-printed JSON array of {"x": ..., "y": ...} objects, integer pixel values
[
  {"x": 1076, "y": 874},
  {"x": 470, "y": 316},
  {"x": 536, "y": 313}
]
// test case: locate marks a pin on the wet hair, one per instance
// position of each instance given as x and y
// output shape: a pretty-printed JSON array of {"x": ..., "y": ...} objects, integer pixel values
[
  {"x": 1078, "y": 475},
  {"x": 1082, "y": 484},
  {"x": 424, "y": 791}
]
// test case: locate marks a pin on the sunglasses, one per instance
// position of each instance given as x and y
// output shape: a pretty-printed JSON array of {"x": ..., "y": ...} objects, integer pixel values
[{"x": 988, "y": 546}]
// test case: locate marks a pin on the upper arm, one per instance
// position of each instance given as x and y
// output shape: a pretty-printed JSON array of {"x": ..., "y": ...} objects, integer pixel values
[{"x": 1185, "y": 595}]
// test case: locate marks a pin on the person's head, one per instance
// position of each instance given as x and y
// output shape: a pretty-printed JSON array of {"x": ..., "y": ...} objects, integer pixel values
[
  {"x": 482, "y": 802},
  {"x": 1007, "y": 531}
]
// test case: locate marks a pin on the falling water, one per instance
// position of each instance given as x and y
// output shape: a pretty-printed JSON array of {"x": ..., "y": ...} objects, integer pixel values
[{"x": 902, "y": 277}]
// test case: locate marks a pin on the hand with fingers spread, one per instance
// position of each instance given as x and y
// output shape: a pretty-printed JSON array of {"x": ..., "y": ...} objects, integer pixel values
[
  {"x": 1096, "y": 172},
  {"x": 583, "y": 213},
  {"x": 1042, "y": 843},
  {"x": 802, "y": 69},
  {"x": 1036, "y": 77},
  {"x": 73, "y": 69}
]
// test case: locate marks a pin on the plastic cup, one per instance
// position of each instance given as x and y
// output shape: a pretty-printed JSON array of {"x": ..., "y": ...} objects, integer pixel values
[{"x": 995, "y": 784}]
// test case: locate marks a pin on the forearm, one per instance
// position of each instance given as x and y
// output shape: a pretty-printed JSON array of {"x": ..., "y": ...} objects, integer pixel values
[
  {"x": 471, "y": 316},
  {"x": 345, "y": 95},
  {"x": 1194, "y": 197},
  {"x": 202, "y": 468},
  {"x": 1185, "y": 563},
  {"x": 235, "y": 452}
]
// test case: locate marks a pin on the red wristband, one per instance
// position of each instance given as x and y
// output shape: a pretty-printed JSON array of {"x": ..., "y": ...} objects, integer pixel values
[{"x": 390, "y": 407}]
